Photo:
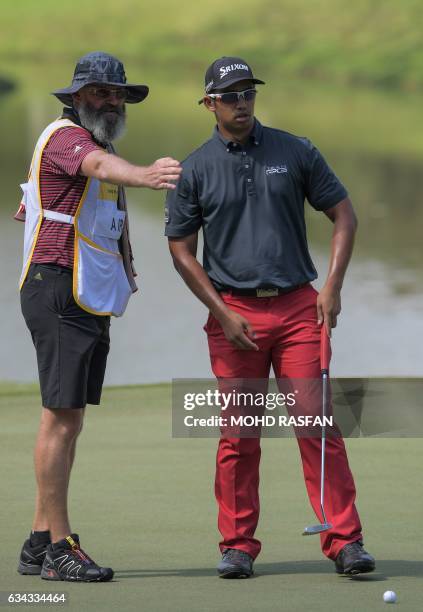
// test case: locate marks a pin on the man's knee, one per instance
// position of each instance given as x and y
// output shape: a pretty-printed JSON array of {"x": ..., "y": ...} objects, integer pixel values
[{"x": 66, "y": 423}]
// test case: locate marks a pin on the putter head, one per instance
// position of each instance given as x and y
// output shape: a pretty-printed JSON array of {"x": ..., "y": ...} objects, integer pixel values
[{"x": 313, "y": 529}]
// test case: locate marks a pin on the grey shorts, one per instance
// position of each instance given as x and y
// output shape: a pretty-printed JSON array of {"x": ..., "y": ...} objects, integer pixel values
[{"x": 71, "y": 344}]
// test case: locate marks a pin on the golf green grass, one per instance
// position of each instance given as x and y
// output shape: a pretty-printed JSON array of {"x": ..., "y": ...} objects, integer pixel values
[{"x": 143, "y": 503}]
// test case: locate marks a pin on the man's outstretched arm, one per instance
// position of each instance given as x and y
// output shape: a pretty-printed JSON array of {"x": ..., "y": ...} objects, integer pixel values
[
  {"x": 345, "y": 225},
  {"x": 162, "y": 174},
  {"x": 235, "y": 327}
]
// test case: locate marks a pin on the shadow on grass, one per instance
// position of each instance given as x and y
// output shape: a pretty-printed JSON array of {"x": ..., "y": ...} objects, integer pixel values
[{"x": 385, "y": 569}]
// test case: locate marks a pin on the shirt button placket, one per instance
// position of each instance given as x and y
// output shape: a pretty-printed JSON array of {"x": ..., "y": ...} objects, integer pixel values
[{"x": 248, "y": 166}]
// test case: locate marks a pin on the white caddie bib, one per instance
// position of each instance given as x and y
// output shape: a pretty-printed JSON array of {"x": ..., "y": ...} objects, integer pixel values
[{"x": 100, "y": 283}]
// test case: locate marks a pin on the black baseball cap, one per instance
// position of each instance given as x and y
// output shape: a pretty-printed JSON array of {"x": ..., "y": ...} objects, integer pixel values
[
  {"x": 103, "y": 69},
  {"x": 226, "y": 71}
]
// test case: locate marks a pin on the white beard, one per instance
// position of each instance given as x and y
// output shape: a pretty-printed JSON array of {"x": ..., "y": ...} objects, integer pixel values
[{"x": 102, "y": 127}]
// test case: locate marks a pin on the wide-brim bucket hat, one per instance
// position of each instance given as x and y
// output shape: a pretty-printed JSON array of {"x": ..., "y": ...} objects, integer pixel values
[{"x": 102, "y": 69}]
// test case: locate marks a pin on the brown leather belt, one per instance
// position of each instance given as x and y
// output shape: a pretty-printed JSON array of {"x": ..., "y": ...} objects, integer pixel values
[{"x": 262, "y": 292}]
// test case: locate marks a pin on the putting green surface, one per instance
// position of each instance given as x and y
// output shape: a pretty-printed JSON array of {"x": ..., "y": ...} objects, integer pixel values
[{"x": 143, "y": 503}]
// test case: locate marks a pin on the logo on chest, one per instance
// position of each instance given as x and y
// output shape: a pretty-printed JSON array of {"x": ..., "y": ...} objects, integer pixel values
[{"x": 277, "y": 169}]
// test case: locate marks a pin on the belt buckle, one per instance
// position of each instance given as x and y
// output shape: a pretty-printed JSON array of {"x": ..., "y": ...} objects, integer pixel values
[{"x": 266, "y": 292}]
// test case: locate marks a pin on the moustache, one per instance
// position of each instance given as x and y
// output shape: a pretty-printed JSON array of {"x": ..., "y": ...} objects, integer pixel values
[{"x": 111, "y": 109}]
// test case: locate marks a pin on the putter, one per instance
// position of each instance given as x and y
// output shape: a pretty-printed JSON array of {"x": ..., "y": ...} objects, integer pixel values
[{"x": 324, "y": 368}]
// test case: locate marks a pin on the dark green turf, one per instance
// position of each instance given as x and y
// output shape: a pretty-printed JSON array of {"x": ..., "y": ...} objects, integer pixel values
[{"x": 143, "y": 503}]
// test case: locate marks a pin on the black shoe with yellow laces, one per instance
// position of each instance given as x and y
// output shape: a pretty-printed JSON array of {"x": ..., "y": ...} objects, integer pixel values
[
  {"x": 65, "y": 560},
  {"x": 31, "y": 558}
]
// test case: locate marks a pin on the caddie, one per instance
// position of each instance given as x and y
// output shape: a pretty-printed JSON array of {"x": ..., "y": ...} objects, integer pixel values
[{"x": 77, "y": 273}]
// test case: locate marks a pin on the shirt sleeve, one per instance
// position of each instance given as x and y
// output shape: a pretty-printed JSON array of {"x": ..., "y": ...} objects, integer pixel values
[
  {"x": 323, "y": 188},
  {"x": 66, "y": 150},
  {"x": 183, "y": 215}
]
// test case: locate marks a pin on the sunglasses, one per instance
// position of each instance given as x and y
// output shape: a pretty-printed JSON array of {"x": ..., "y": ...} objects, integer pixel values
[
  {"x": 103, "y": 93},
  {"x": 232, "y": 97}
]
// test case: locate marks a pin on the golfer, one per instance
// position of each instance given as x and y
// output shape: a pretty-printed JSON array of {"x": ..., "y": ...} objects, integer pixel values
[
  {"x": 77, "y": 273},
  {"x": 246, "y": 187}
]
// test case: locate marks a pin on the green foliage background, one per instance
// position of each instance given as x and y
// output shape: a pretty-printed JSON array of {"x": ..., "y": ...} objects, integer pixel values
[
  {"x": 371, "y": 42},
  {"x": 349, "y": 75}
]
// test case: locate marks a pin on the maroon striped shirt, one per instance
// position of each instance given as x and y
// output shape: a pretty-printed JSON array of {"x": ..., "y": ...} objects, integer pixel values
[{"x": 61, "y": 189}]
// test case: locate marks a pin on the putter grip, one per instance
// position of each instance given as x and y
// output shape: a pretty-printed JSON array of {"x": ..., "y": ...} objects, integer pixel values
[{"x": 324, "y": 349}]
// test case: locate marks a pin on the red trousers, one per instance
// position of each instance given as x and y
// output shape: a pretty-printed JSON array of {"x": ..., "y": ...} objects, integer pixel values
[{"x": 288, "y": 337}]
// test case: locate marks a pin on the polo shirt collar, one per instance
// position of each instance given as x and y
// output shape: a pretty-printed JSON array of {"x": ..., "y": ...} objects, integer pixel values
[
  {"x": 72, "y": 114},
  {"x": 254, "y": 137}
]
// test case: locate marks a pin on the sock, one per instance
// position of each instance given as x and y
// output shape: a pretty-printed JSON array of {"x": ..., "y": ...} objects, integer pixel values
[{"x": 37, "y": 538}]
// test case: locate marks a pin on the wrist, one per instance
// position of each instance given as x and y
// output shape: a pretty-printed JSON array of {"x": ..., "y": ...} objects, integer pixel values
[
  {"x": 333, "y": 284},
  {"x": 142, "y": 176},
  {"x": 221, "y": 312}
]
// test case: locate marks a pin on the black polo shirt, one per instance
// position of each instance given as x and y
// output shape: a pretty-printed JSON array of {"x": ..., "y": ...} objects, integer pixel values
[{"x": 249, "y": 200}]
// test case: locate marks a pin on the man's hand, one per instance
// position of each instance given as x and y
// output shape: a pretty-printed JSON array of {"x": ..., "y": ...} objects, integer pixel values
[
  {"x": 328, "y": 307},
  {"x": 237, "y": 330},
  {"x": 162, "y": 174}
]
